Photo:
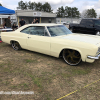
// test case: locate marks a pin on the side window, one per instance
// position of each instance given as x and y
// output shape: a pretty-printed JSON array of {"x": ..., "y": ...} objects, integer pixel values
[
  {"x": 26, "y": 30},
  {"x": 38, "y": 30},
  {"x": 83, "y": 22},
  {"x": 33, "y": 30},
  {"x": 89, "y": 23}
]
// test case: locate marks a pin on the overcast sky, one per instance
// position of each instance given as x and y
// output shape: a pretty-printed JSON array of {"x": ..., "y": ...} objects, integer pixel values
[{"x": 80, "y": 4}]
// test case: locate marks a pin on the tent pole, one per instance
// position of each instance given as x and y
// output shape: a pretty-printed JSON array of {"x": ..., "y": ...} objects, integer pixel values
[
  {"x": 1, "y": 20},
  {"x": 18, "y": 21}
]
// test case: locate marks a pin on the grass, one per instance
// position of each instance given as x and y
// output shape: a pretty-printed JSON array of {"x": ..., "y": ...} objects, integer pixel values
[
  {"x": 30, "y": 61},
  {"x": 50, "y": 78},
  {"x": 80, "y": 71}
]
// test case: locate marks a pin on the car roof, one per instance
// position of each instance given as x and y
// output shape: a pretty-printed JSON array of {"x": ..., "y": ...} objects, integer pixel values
[
  {"x": 44, "y": 24},
  {"x": 38, "y": 24}
]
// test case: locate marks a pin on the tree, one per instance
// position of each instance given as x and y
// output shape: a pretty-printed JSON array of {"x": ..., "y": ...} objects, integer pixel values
[
  {"x": 72, "y": 12},
  {"x": 46, "y": 7},
  {"x": 89, "y": 13},
  {"x": 35, "y": 6},
  {"x": 58, "y": 12},
  {"x": 38, "y": 6},
  {"x": 68, "y": 12},
  {"x": 21, "y": 5},
  {"x": 31, "y": 5},
  {"x": 61, "y": 12},
  {"x": 0, "y": 4},
  {"x": 25, "y": 5}
]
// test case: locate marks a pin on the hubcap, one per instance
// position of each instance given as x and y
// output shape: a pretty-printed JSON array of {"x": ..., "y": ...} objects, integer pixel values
[
  {"x": 98, "y": 33},
  {"x": 71, "y": 57},
  {"x": 15, "y": 45}
]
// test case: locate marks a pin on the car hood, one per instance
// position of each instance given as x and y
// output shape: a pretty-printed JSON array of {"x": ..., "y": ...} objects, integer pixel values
[{"x": 92, "y": 39}]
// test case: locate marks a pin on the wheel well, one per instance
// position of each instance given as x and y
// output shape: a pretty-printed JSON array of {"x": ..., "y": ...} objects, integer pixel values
[
  {"x": 60, "y": 55},
  {"x": 13, "y": 41}
]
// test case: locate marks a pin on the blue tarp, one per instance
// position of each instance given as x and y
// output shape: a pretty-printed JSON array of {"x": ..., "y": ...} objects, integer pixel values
[{"x": 4, "y": 10}]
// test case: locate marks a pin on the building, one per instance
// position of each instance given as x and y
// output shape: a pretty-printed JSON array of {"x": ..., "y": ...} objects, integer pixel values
[
  {"x": 29, "y": 15},
  {"x": 67, "y": 20}
]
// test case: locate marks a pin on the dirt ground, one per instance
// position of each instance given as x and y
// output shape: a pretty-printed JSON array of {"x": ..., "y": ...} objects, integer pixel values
[{"x": 48, "y": 77}]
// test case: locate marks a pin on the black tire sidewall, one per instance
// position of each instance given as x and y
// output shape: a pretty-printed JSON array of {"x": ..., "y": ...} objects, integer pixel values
[
  {"x": 68, "y": 62},
  {"x": 19, "y": 47}
]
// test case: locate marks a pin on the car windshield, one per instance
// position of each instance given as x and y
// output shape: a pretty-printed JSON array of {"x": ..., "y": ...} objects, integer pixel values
[
  {"x": 58, "y": 30},
  {"x": 97, "y": 22}
]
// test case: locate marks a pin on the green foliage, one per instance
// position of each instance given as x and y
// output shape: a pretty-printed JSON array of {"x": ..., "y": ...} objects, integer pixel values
[
  {"x": 35, "y": 6},
  {"x": 0, "y": 4},
  {"x": 60, "y": 12},
  {"x": 46, "y": 7},
  {"x": 38, "y": 6},
  {"x": 68, "y": 12},
  {"x": 31, "y": 5},
  {"x": 89, "y": 13}
]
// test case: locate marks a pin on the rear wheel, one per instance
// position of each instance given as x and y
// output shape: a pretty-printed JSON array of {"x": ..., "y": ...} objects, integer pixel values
[
  {"x": 98, "y": 33},
  {"x": 15, "y": 45},
  {"x": 71, "y": 57}
]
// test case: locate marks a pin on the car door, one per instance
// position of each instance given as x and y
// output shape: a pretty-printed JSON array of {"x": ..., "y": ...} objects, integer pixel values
[
  {"x": 39, "y": 40},
  {"x": 82, "y": 26},
  {"x": 22, "y": 37},
  {"x": 90, "y": 29}
]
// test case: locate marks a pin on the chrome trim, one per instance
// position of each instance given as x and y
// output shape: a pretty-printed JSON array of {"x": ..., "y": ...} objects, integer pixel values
[{"x": 96, "y": 57}]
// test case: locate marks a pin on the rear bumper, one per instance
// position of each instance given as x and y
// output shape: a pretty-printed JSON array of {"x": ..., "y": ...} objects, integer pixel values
[{"x": 96, "y": 57}]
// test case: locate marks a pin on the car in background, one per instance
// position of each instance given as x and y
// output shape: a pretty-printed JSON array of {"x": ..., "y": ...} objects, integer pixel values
[
  {"x": 86, "y": 26},
  {"x": 55, "y": 40}
]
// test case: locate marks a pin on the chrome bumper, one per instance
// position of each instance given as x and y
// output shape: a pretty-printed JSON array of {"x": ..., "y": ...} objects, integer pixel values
[{"x": 96, "y": 57}]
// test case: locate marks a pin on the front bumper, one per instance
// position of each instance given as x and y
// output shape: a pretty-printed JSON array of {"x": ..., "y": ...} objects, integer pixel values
[{"x": 96, "y": 57}]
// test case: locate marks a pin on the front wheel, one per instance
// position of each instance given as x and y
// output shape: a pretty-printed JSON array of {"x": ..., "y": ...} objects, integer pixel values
[
  {"x": 71, "y": 57},
  {"x": 15, "y": 45},
  {"x": 72, "y": 30}
]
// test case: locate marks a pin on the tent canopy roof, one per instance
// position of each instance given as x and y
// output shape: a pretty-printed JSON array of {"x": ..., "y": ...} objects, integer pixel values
[{"x": 4, "y": 10}]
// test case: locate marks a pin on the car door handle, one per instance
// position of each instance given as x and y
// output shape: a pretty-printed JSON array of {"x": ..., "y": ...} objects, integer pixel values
[{"x": 29, "y": 37}]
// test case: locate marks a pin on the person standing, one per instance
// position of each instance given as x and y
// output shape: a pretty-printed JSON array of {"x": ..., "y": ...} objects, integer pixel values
[
  {"x": 4, "y": 24},
  {"x": 8, "y": 22},
  {"x": 21, "y": 23},
  {"x": 33, "y": 21},
  {"x": 14, "y": 27},
  {"x": 37, "y": 21}
]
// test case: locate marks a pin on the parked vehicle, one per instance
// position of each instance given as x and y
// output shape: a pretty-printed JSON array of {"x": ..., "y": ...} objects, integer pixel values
[
  {"x": 55, "y": 40},
  {"x": 86, "y": 26}
]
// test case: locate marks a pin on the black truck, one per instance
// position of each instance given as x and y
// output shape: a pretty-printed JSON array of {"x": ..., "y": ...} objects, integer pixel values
[{"x": 86, "y": 26}]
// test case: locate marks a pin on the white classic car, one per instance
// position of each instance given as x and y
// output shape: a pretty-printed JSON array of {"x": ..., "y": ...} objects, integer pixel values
[{"x": 55, "y": 40}]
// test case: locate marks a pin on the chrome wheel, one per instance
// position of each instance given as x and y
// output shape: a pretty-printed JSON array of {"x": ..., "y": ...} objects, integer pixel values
[
  {"x": 71, "y": 57},
  {"x": 98, "y": 33},
  {"x": 16, "y": 46}
]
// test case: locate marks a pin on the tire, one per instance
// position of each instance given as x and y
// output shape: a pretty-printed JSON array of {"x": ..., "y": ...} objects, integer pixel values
[
  {"x": 97, "y": 33},
  {"x": 71, "y": 57},
  {"x": 72, "y": 30},
  {"x": 15, "y": 45}
]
